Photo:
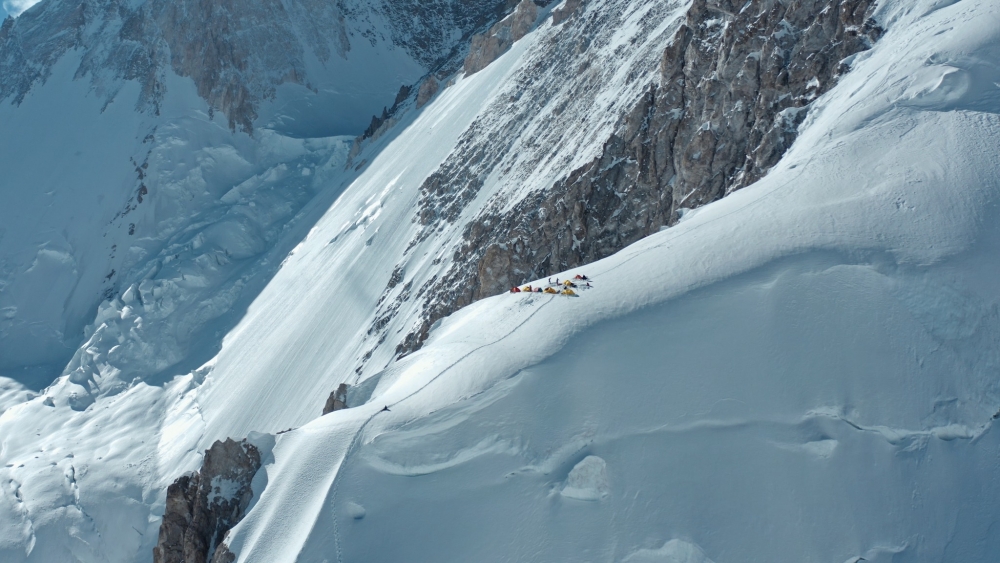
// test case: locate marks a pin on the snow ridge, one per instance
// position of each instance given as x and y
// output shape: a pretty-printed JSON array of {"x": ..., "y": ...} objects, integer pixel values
[{"x": 804, "y": 370}]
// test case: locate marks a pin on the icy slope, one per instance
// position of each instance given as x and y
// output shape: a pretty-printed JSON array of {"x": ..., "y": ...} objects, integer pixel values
[
  {"x": 114, "y": 143},
  {"x": 884, "y": 245},
  {"x": 131, "y": 241},
  {"x": 802, "y": 371},
  {"x": 174, "y": 201},
  {"x": 86, "y": 463},
  {"x": 80, "y": 484},
  {"x": 350, "y": 293},
  {"x": 76, "y": 477}
]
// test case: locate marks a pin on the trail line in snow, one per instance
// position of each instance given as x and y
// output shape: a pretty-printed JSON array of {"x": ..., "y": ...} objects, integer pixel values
[{"x": 355, "y": 439}]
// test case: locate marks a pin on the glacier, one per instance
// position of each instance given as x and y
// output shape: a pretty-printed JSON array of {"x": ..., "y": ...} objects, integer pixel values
[{"x": 804, "y": 370}]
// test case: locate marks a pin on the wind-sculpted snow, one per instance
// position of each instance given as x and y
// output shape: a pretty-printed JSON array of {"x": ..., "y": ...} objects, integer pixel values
[{"x": 805, "y": 370}]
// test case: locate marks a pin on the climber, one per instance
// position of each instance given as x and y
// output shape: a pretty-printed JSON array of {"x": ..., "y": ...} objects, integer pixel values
[
  {"x": 515, "y": 289},
  {"x": 385, "y": 409}
]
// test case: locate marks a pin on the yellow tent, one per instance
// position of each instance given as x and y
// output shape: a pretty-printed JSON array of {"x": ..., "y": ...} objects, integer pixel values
[{"x": 568, "y": 291}]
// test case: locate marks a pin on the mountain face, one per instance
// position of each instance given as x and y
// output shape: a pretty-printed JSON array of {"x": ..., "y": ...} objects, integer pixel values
[
  {"x": 783, "y": 349},
  {"x": 148, "y": 80},
  {"x": 732, "y": 89},
  {"x": 237, "y": 54}
]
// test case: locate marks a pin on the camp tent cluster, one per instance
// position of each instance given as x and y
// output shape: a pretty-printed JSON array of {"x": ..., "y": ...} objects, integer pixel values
[{"x": 557, "y": 287}]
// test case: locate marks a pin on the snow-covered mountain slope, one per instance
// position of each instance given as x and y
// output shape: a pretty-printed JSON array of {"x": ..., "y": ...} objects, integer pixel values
[
  {"x": 802, "y": 371},
  {"x": 86, "y": 220},
  {"x": 807, "y": 361},
  {"x": 136, "y": 225},
  {"x": 115, "y": 141},
  {"x": 170, "y": 314},
  {"x": 350, "y": 55}
]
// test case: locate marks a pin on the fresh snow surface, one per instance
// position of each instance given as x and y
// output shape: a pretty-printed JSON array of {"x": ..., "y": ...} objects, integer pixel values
[{"x": 804, "y": 371}]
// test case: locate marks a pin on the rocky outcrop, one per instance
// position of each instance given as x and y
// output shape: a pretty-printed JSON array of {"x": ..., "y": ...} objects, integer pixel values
[
  {"x": 380, "y": 123},
  {"x": 202, "y": 507},
  {"x": 428, "y": 89},
  {"x": 733, "y": 86},
  {"x": 436, "y": 31},
  {"x": 223, "y": 555},
  {"x": 487, "y": 47},
  {"x": 484, "y": 48},
  {"x": 337, "y": 400},
  {"x": 234, "y": 60}
]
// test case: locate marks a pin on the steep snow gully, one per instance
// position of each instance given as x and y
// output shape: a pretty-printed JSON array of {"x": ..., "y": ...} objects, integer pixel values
[{"x": 805, "y": 370}]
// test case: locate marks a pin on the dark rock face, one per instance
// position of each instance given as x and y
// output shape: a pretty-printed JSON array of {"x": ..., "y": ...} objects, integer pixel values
[
  {"x": 337, "y": 400},
  {"x": 424, "y": 27},
  {"x": 428, "y": 89},
  {"x": 223, "y": 555},
  {"x": 734, "y": 85},
  {"x": 217, "y": 63},
  {"x": 203, "y": 507}
]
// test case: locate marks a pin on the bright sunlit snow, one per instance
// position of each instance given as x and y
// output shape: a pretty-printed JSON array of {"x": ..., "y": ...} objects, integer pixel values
[{"x": 805, "y": 370}]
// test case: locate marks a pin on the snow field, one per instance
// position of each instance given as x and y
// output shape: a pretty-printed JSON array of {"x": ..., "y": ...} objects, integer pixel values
[
  {"x": 85, "y": 460},
  {"x": 802, "y": 371},
  {"x": 308, "y": 330}
]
